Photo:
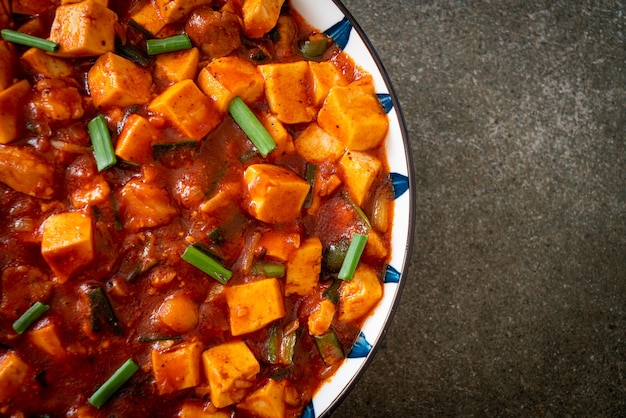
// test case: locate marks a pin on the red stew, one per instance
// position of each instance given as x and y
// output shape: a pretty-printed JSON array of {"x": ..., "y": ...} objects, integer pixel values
[{"x": 104, "y": 248}]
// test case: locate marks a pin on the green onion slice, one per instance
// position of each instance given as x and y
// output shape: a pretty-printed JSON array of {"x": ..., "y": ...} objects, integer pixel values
[
  {"x": 357, "y": 244},
  {"x": 204, "y": 262},
  {"x": 171, "y": 44},
  {"x": 29, "y": 40},
  {"x": 309, "y": 175},
  {"x": 251, "y": 125},
  {"x": 101, "y": 141},
  {"x": 31, "y": 315},
  {"x": 269, "y": 269},
  {"x": 114, "y": 382}
]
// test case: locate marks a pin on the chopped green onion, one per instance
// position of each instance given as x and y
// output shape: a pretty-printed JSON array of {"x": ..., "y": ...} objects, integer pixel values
[
  {"x": 101, "y": 141},
  {"x": 162, "y": 150},
  {"x": 309, "y": 175},
  {"x": 329, "y": 347},
  {"x": 359, "y": 211},
  {"x": 204, "y": 262},
  {"x": 171, "y": 44},
  {"x": 114, "y": 382},
  {"x": 31, "y": 315},
  {"x": 133, "y": 54},
  {"x": 272, "y": 345},
  {"x": 133, "y": 24},
  {"x": 269, "y": 269},
  {"x": 352, "y": 257},
  {"x": 101, "y": 310},
  {"x": 251, "y": 125},
  {"x": 287, "y": 348},
  {"x": 313, "y": 49},
  {"x": 29, "y": 40}
]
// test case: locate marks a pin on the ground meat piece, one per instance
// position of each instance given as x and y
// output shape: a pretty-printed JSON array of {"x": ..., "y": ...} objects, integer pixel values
[{"x": 215, "y": 33}]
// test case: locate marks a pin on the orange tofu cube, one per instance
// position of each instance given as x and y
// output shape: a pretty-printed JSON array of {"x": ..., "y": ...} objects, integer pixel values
[
  {"x": 268, "y": 401},
  {"x": 135, "y": 140},
  {"x": 321, "y": 318},
  {"x": 67, "y": 243},
  {"x": 325, "y": 75},
  {"x": 227, "y": 194},
  {"x": 13, "y": 374},
  {"x": 11, "y": 101},
  {"x": 105, "y": 3},
  {"x": 177, "y": 368},
  {"x": 47, "y": 338},
  {"x": 215, "y": 90},
  {"x": 260, "y": 16},
  {"x": 187, "y": 109},
  {"x": 177, "y": 66},
  {"x": 173, "y": 10},
  {"x": 26, "y": 172},
  {"x": 239, "y": 76},
  {"x": 358, "y": 296},
  {"x": 276, "y": 129},
  {"x": 148, "y": 17},
  {"x": 375, "y": 247},
  {"x": 144, "y": 203},
  {"x": 253, "y": 305},
  {"x": 7, "y": 64},
  {"x": 116, "y": 81},
  {"x": 304, "y": 267},
  {"x": 316, "y": 145},
  {"x": 230, "y": 369},
  {"x": 84, "y": 29},
  {"x": 45, "y": 64},
  {"x": 279, "y": 245},
  {"x": 359, "y": 172},
  {"x": 355, "y": 116},
  {"x": 273, "y": 194},
  {"x": 287, "y": 89}
]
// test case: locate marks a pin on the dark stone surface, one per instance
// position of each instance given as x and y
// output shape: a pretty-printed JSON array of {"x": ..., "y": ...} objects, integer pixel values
[{"x": 516, "y": 303}]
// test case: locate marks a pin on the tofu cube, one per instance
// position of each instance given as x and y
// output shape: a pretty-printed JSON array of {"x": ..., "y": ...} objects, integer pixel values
[
  {"x": 358, "y": 296},
  {"x": 7, "y": 64},
  {"x": 287, "y": 90},
  {"x": 177, "y": 368},
  {"x": 187, "y": 109},
  {"x": 145, "y": 204},
  {"x": 116, "y": 81},
  {"x": 13, "y": 374},
  {"x": 135, "y": 140},
  {"x": 375, "y": 247},
  {"x": 177, "y": 66},
  {"x": 11, "y": 101},
  {"x": 45, "y": 64},
  {"x": 354, "y": 115},
  {"x": 279, "y": 245},
  {"x": 316, "y": 145},
  {"x": 304, "y": 267},
  {"x": 84, "y": 29},
  {"x": 260, "y": 16},
  {"x": 278, "y": 132},
  {"x": 268, "y": 401},
  {"x": 321, "y": 318},
  {"x": 47, "y": 338},
  {"x": 173, "y": 10},
  {"x": 251, "y": 306},
  {"x": 325, "y": 75},
  {"x": 239, "y": 76},
  {"x": 230, "y": 369},
  {"x": 359, "y": 172},
  {"x": 273, "y": 194},
  {"x": 148, "y": 17},
  {"x": 215, "y": 90},
  {"x": 26, "y": 172},
  {"x": 67, "y": 243}
]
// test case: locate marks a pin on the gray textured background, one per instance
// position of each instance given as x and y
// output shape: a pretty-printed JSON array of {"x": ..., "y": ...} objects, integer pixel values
[{"x": 516, "y": 302}]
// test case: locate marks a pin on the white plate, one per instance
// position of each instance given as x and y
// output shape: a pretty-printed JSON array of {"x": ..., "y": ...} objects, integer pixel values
[{"x": 334, "y": 19}]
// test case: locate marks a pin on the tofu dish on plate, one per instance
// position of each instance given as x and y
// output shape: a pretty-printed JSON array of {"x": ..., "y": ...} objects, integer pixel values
[{"x": 196, "y": 208}]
